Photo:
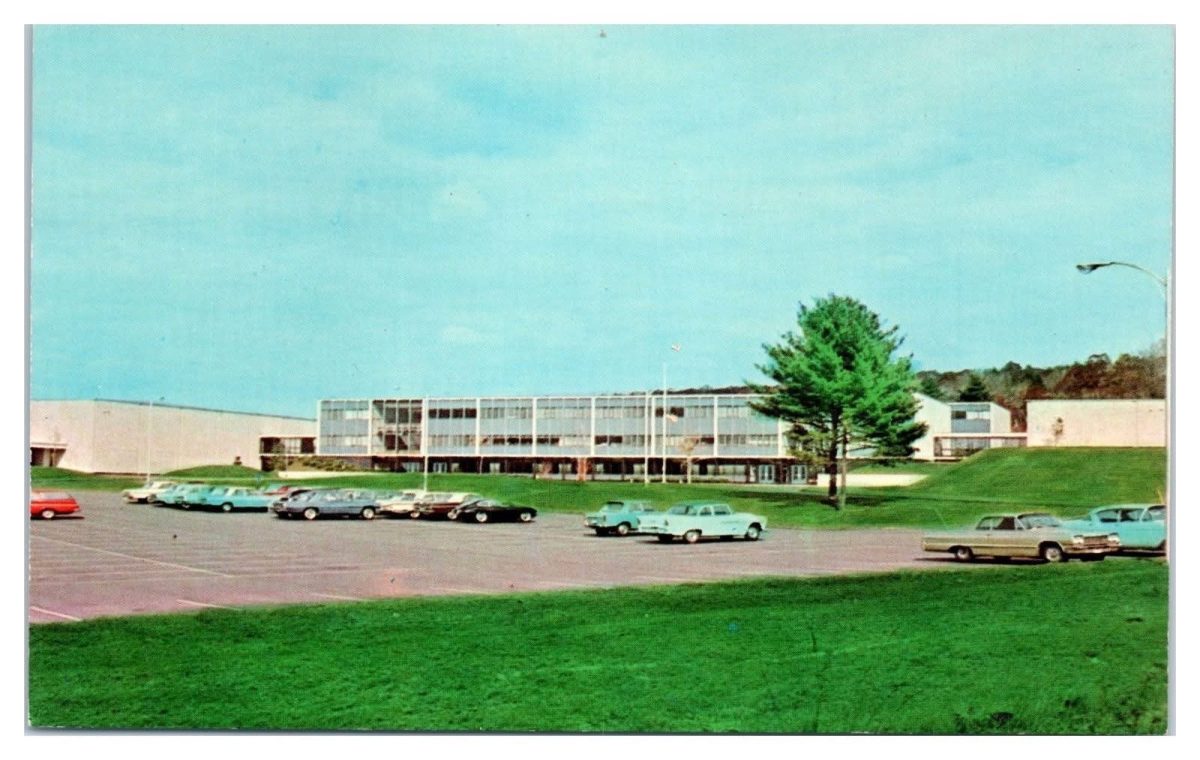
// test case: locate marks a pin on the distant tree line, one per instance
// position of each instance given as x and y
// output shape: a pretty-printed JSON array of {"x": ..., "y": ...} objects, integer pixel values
[
  {"x": 1141, "y": 375},
  {"x": 1130, "y": 376}
]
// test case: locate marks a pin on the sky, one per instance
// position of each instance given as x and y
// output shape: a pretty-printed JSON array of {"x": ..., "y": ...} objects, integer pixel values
[{"x": 256, "y": 218}]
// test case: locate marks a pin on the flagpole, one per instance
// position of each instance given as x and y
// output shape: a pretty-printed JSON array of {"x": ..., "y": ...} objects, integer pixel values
[
  {"x": 665, "y": 412},
  {"x": 663, "y": 443}
]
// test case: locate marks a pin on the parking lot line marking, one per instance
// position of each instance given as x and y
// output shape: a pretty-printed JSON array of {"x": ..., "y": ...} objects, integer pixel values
[
  {"x": 336, "y": 596},
  {"x": 203, "y": 604},
  {"x": 130, "y": 556},
  {"x": 45, "y": 611}
]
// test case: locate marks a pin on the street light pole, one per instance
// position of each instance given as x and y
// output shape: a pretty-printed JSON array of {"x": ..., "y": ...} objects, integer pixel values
[
  {"x": 1166, "y": 294},
  {"x": 150, "y": 437},
  {"x": 1089, "y": 268}
]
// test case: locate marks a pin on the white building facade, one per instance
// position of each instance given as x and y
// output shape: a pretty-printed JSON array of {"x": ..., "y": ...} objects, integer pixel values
[
  {"x": 1097, "y": 422},
  {"x": 103, "y": 436}
]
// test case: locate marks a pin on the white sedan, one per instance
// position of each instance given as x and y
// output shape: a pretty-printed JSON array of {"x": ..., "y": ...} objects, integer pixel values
[{"x": 692, "y": 521}]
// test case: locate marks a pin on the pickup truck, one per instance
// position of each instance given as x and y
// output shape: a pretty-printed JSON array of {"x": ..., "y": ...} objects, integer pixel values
[{"x": 694, "y": 520}]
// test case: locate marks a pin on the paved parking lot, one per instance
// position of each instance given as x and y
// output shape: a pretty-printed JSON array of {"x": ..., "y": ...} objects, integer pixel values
[{"x": 121, "y": 559}]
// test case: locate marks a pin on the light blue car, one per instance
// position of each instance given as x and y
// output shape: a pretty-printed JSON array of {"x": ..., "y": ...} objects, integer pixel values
[
  {"x": 183, "y": 495},
  {"x": 618, "y": 517},
  {"x": 1142, "y": 527},
  {"x": 696, "y": 520},
  {"x": 230, "y": 498}
]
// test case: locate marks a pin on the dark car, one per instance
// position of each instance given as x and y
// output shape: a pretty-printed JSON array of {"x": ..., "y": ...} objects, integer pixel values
[
  {"x": 489, "y": 510},
  {"x": 440, "y": 504}
]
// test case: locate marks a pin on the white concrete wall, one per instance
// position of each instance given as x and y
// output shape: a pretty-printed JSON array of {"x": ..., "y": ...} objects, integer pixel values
[
  {"x": 124, "y": 437},
  {"x": 1099, "y": 422},
  {"x": 1001, "y": 419},
  {"x": 936, "y": 415}
]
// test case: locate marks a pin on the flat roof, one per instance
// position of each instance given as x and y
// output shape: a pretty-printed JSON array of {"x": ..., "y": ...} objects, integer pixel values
[{"x": 169, "y": 406}]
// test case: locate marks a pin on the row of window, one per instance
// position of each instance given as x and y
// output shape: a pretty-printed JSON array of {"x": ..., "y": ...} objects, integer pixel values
[
  {"x": 405, "y": 415},
  {"x": 345, "y": 414},
  {"x": 329, "y": 442},
  {"x": 466, "y": 440}
]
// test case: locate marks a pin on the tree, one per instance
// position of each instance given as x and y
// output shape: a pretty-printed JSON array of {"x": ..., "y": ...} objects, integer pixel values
[
  {"x": 975, "y": 390},
  {"x": 932, "y": 389},
  {"x": 837, "y": 381}
]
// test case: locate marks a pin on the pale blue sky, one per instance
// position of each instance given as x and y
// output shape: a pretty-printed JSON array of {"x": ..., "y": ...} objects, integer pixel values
[{"x": 257, "y": 218}]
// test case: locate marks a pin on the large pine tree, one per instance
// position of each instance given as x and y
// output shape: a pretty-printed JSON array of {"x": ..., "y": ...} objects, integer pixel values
[{"x": 838, "y": 382}]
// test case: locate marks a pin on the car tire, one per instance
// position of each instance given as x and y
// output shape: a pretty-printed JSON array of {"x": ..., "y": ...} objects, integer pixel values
[
  {"x": 310, "y": 513},
  {"x": 226, "y": 507},
  {"x": 601, "y": 531},
  {"x": 963, "y": 553},
  {"x": 622, "y": 529},
  {"x": 1052, "y": 553},
  {"x": 527, "y": 517},
  {"x": 184, "y": 505},
  {"x": 46, "y": 514},
  {"x": 414, "y": 515},
  {"x": 691, "y": 537},
  {"x": 663, "y": 538},
  {"x": 367, "y": 513},
  {"x": 753, "y": 532},
  {"x": 481, "y": 517}
]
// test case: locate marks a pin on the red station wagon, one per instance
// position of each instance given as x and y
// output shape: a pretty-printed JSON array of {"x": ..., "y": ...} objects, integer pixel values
[{"x": 50, "y": 504}]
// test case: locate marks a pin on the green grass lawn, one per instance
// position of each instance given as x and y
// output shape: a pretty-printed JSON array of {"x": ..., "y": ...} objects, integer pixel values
[
  {"x": 1065, "y": 482},
  {"x": 1073, "y": 648}
]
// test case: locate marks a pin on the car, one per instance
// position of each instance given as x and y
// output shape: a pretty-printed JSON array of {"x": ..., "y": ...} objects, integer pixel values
[
  {"x": 1032, "y": 534},
  {"x": 490, "y": 510},
  {"x": 401, "y": 504},
  {"x": 278, "y": 490},
  {"x": 1142, "y": 527},
  {"x": 618, "y": 517},
  {"x": 194, "y": 495},
  {"x": 148, "y": 492},
  {"x": 334, "y": 502},
  {"x": 231, "y": 498},
  {"x": 167, "y": 495},
  {"x": 50, "y": 504},
  {"x": 182, "y": 494},
  {"x": 695, "y": 520},
  {"x": 439, "y": 504}
]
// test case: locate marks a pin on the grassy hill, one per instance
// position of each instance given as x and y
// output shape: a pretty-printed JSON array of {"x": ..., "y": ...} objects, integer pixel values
[{"x": 1062, "y": 481}]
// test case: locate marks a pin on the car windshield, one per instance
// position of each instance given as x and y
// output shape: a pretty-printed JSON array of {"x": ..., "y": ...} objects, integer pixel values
[
  {"x": 1040, "y": 521},
  {"x": 1157, "y": 513}
]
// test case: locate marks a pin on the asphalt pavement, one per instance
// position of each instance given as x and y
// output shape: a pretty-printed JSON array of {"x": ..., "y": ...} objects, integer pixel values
[{"x": 126, "y": 559}]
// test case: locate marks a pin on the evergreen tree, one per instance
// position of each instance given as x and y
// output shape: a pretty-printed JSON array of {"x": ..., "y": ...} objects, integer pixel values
[
  {"x": 930, "y": 387},
  {"x": 838, "y": 382},
  {"x": 975, "y": 390}
]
